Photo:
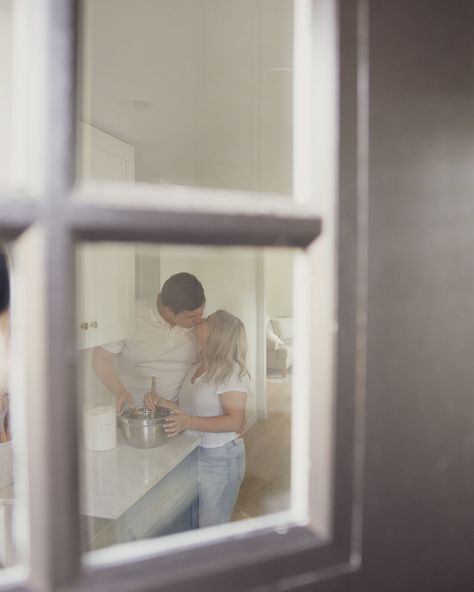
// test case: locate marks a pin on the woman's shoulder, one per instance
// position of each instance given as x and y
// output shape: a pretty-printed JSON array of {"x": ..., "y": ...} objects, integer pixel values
[{"x": 236, "y": 382}]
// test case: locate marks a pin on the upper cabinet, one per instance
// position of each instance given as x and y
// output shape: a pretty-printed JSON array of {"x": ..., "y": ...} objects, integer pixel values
[
  {"x": 106, "y": 271},
  {"x": 105, "y": 158}
]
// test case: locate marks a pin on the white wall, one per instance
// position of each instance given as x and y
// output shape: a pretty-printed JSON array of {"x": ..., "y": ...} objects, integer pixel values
[
  {"x": 279, "y": 282},
  {"x": 213, "y": 82},
  {"x": 244, "y": 94},
  {"x": 148, "y": 270}
]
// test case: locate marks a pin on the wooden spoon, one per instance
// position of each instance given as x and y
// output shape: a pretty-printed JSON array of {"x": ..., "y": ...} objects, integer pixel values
[{"x": 153, "y": 391}]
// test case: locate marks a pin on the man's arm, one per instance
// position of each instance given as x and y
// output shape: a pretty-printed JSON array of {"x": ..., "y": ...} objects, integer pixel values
[{"x": 103, "y": 364}]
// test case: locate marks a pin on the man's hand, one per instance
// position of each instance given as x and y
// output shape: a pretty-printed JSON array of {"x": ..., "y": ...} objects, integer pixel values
[
  {"x": 124, "y": 398},
  {"x": 177, "y": 423}
]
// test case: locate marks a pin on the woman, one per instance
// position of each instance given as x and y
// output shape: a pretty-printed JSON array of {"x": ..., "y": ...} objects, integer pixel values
[{"x": 212, "y": 404}]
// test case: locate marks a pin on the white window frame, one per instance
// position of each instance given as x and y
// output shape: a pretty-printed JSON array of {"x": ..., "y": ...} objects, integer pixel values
[{"x": 324, "y": 537}]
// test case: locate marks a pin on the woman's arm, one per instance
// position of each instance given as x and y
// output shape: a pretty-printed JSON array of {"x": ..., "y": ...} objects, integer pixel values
[{"x": 232, "y": 420}]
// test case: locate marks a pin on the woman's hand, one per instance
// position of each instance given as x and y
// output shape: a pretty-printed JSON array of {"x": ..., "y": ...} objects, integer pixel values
[
  {"x": 178, "y": 422},
  {"x": 151, "y": 400},
  {"x": 4, "y": 408},
  {"x": 243, "y": 429}
]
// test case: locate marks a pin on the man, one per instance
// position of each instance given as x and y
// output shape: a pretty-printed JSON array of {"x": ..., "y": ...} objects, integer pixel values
[{"x": 163, "y": 345}]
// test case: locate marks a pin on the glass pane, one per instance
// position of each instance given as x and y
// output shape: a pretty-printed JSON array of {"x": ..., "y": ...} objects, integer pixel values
[
  {"x": 6, "y": 456},
  {"x": 5, "y": 92},
  {"x": 188, "y": 93},
  {"x": 203, "y": 337},
  {"x": 13, "y": 469}
]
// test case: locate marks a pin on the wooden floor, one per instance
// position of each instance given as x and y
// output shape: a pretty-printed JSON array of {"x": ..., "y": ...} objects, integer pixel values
[{"x": 266, "y": 486}]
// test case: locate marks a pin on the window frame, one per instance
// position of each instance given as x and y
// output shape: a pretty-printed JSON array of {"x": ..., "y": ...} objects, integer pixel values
[{"x": 295, "y": 556}]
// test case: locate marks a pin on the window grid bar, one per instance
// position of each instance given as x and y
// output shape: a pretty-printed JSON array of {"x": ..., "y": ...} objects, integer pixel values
[
  {"x": 16, "y": 216},
  {"x": 53, "y": 448},
  {"x": 233, "y": 565},
  {"x": 95, "y": 223},
  {"x": 184, "y": 197},
  {"x": 14, "y": 587}
]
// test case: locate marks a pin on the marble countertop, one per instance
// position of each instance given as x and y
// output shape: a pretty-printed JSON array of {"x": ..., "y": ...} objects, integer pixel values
[{"x": 115, "y": 479}]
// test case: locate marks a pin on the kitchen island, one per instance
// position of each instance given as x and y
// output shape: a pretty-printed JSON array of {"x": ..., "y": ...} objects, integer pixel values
[{"x": 132, "y": 493}]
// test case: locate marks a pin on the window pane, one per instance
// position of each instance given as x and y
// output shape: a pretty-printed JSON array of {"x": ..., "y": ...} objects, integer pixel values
[
  {"x": 141, "y": 331},
  {"x": 5, "y": 92},
  {"x": 13, "y": 469},
  {"x": 6, "y": 456},
  {"x": 196, "y": 93}
]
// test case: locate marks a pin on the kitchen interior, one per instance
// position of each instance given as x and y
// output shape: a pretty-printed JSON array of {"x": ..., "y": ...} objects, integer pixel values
[{"x": 180, "y": 94}]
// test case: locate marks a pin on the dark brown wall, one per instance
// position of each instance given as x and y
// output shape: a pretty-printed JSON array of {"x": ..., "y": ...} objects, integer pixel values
[{"x": 420, "y": 444}]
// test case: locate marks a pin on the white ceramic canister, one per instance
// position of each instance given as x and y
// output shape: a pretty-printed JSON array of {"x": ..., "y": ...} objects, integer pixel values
[{"x": 100, "y": 428}]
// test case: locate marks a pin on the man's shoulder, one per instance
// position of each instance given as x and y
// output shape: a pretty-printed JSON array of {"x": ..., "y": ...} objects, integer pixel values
[{"x": 145, "y": 308}]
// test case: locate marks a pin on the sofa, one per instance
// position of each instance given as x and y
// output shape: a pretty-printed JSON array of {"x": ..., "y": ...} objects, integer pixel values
[{"x": 279, "y": 336}]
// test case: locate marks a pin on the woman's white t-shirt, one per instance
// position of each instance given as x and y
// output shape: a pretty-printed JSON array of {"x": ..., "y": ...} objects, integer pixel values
[{"x": 203, "y": 399}]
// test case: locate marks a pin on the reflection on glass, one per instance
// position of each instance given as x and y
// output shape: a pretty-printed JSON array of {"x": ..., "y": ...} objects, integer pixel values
[
  {"x": 212, "y": 109},
  {"x": 185, "y": 380},
  {"x": 7, "y": 554},
  {"x": 5, "y": 90}
]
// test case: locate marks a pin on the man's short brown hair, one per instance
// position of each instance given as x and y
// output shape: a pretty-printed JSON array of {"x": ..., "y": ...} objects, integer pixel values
[{"x": 182, "y": 291}]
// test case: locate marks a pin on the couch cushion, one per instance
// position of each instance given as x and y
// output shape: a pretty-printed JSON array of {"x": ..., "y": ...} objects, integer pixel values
[
  {"x": 273, "y": 341},
  {"x": 272, "y": 345},
  {"x": 283, "y": 327}
]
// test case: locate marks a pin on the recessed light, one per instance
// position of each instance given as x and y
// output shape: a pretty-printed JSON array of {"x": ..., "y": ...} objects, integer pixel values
[{"x": 137, "y": 104}]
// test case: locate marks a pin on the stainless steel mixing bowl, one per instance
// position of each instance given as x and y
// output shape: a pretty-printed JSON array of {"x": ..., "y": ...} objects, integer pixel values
[{"x": 144, "y": 428}]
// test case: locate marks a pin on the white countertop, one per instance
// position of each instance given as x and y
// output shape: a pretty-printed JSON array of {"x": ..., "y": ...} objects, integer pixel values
[{"x": 115, "y": 479}]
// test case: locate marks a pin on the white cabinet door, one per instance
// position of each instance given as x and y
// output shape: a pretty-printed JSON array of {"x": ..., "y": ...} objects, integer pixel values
[
  {"x": 106, "y": 271},
  {"x": 105, "y": 158}
]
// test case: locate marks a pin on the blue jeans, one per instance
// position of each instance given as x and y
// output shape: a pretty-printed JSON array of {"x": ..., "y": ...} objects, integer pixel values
[{"x": 221, "y": 471}]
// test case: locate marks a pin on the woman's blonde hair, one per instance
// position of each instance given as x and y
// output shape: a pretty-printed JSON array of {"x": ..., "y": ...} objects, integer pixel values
[{"x": 226, "y": 347}]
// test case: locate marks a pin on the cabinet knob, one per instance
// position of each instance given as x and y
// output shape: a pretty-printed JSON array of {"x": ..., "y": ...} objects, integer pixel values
[
  {"x": 85, "y": 326},
  {"x": 94, "y": 324}
]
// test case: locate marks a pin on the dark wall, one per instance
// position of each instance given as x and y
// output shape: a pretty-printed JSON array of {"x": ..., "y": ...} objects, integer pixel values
[{"x": 420, "y": 446}]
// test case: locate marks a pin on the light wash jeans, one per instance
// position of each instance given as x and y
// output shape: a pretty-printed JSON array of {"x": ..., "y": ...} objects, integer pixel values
[{"x": 221, "y": 471}]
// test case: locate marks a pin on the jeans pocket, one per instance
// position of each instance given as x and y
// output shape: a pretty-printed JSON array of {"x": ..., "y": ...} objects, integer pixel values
[
  {"x": 212, "y": 454},
  {"x": 241, "y": 466}
]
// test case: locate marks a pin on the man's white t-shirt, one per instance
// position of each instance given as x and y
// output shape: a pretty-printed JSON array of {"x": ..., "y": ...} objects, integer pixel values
[
  {"x": 157, "y": 350},
  {"x": 203, "y": 399}
]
